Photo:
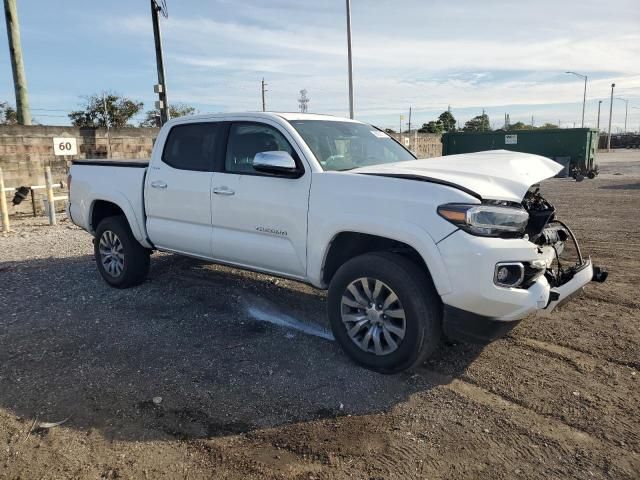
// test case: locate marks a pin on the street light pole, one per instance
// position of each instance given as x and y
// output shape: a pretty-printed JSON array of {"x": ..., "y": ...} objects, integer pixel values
[
  {"x": 598, "y": 125},
  {"x": 626, "y": 111},
  {"x": 584, "y": 96},
  {"x": 350, "y": 60},
  {"x": 610, "y": 114},
  {"x": 637, "y": 108}
]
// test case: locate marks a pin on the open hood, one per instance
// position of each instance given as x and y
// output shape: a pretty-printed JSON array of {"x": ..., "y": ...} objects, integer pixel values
[{"x": 490, "y": 175}]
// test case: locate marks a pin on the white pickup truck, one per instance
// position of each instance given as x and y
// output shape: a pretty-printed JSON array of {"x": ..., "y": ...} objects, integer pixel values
[{"x": 408, "y": 249}]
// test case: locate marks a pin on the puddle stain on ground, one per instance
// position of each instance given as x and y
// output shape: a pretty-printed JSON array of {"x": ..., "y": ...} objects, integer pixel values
[{"x": 263, "y": 311}]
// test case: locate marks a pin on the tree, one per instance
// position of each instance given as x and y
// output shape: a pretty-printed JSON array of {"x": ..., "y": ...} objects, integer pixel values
[
  {"x": 479, "y": 123},
  {"x": 432, "y": 127},
  {"x": 152, "y": 117},
  {"x": 106, "y": 109},
  {"x": 520, "y": 126},
  {"x": 8, "y": 114},
  {"x": 448, "y": 121},
  {"x": 389, "y": 130},
  {"x": 548, "y": 126}
]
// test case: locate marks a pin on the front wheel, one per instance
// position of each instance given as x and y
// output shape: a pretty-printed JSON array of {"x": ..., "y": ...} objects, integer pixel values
[
  {"x": 121, "y": 260},
  {"x": 385, "y": 312}
]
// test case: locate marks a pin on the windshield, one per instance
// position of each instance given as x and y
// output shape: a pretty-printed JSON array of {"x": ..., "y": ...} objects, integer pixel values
[{"x": 347, "y": 145}]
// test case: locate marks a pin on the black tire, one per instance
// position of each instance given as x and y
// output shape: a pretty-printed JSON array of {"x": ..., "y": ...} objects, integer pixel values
[
  {"x": 418, "y": 297},
  {"x": 136, "y": 258}
]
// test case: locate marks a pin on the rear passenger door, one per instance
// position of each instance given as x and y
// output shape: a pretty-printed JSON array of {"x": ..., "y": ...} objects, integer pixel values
[
  {"x": 260, "y": 220},
  {"x": 178, "y": 188}
]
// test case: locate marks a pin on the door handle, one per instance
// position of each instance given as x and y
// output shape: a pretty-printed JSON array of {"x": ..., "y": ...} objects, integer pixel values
[
  {"x": 223, "y": 191},
  {"x": 158, "y": 184}
]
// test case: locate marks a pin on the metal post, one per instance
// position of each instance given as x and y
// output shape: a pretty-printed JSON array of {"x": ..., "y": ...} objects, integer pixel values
[
  {"x": 33, "y": 202},
  {"x": 50, "y": 200},
  {"x": 610, "y": 114},
  {"x": 3, "y": 205},
  {"x": 598, "y": 124},
  {"x": 162, "y": 94},
  {"x": 263, "y": 105},
  {"x": 350, "y": 59}
]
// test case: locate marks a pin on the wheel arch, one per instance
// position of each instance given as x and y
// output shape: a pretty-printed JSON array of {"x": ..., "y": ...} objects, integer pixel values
[
  {"x": 102, "y": 208},
  {"x": 348, "y": 244}
]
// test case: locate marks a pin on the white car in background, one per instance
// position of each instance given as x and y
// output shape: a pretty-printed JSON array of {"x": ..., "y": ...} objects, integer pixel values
[{"x": 408, "y": 249}]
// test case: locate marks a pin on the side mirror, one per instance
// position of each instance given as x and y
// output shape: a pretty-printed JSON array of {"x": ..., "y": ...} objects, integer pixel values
[{"x": 276, "y": 163}]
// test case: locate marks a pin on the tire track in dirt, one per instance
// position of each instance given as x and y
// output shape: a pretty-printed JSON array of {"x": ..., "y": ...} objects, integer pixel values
[
  {"x": 555, "y": 430},
  {"x": 583, "y": 362},
  {"x": 602, "y": 402}
]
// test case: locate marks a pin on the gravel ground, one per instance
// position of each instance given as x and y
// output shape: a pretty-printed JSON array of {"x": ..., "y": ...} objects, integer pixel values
[{"x": 237, "y": 396}]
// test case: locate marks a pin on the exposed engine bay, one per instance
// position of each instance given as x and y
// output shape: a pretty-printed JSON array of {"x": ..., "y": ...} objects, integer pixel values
[{"x": 545, "y": 230}]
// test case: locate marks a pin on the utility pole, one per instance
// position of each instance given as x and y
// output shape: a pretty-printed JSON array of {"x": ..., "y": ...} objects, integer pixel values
[
  {"x": 409, "y": 119},
  {"x": 598, "y": 124},
  {"x": 106, "y": 122},
  {"x": 350, "y": 60},
  {"x": 161, "y": 88},
  {"x": 263, "y": 90},
  {"x": 17, "y": 65},
  {"x": 610, "y": 113}
]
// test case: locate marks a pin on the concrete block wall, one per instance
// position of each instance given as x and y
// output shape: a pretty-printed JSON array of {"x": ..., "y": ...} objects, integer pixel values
[{"x": 25, "y": 151}]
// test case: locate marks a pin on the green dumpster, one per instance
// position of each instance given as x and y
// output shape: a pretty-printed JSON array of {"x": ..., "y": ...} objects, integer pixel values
[{"x": 577, "y": 146}]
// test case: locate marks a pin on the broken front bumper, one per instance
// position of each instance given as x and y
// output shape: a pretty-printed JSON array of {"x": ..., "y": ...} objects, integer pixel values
[
  {"x": 479, "y": 310},
  {"x": 562, "y": 293}
]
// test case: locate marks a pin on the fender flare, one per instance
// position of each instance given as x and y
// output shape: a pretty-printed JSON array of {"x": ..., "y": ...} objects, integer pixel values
[{"x": 402, "y": 231}]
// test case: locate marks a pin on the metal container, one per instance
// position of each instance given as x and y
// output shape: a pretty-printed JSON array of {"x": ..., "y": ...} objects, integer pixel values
[{"x": 578, "y": 144}]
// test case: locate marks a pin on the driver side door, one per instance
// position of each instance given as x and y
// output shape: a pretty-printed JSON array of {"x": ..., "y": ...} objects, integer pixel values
[{"x": 260, "y": 220}]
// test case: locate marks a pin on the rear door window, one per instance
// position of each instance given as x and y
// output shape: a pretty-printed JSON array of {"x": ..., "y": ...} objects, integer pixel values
[{"x": 192, "y": 146}]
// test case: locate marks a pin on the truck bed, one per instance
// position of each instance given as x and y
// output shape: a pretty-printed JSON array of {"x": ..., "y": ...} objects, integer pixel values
[{"x": 98, "y": 182}]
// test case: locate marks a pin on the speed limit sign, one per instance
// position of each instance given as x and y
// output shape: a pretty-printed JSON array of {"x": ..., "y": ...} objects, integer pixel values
[{"x": 65, "y": 146}]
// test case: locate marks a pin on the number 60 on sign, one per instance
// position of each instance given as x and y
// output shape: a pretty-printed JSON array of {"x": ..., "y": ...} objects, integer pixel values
[{"x": 65, "y": 146}]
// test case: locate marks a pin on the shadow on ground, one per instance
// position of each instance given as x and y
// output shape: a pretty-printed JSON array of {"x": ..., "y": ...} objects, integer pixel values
[{"x": 71, "y": 347}]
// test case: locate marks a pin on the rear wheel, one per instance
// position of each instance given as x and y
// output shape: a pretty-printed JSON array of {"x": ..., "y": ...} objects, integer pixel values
[
  {"x": 121, "y": 260},
  {"x": 384, "y": 312}
]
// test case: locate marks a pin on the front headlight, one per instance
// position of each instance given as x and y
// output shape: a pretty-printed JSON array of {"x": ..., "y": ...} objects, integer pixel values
[{"x": 486, "y": 220}]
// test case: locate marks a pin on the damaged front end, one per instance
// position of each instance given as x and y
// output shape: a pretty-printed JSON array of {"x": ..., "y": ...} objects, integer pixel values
[{"x": 562, "y": 264}]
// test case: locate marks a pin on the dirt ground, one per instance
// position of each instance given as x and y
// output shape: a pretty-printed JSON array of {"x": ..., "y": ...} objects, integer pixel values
[{"x": 243, "y": 397}]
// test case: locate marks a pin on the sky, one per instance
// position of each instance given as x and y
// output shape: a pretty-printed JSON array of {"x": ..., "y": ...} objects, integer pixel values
[{"x": 497, "y": 56}]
